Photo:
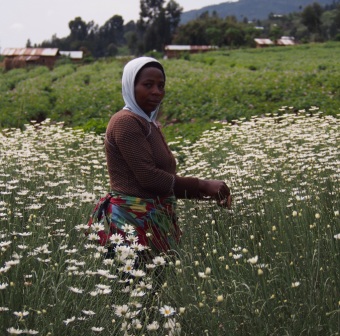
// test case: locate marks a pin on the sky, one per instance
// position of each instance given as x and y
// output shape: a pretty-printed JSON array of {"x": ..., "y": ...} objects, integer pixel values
[{"x": 39, "y": 20}]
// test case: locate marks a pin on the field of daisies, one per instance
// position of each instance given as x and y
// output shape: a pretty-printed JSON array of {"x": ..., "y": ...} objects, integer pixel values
[{"x": 268, "y": 266}]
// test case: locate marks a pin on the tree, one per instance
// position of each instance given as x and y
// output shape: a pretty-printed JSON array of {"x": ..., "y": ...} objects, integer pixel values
[
  {"x": 78, "y": 29},
  {"x": 311, "y": 17},
  {"x": 113, "y": 30},
  {"x": 150, "y": 10},
  {"x": 214, "y": 35},
  {"x": 132, "y": 41},
  {"x": 234, "y": 36},
  {"x": 157, "y": 23},
  {"x": 275, "y": 32},
  {"x": 173, "y": 13}
]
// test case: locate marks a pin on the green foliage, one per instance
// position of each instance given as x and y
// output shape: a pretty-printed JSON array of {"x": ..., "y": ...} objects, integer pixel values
[{"x": 204, "y": 88}]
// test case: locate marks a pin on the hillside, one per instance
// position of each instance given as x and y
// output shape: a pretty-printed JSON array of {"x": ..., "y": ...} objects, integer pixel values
[
  {"x": 221, "y": 85},
  {"x": 252, "y": 9}
]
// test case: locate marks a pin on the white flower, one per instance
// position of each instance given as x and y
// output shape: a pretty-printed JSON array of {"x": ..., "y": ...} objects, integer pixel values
[
  {"x": 143, "y": 285},
  {"x": 102, "y": 286},
  {"x": 21, "y": 314},
  {"x": 170, "y": 324},
  {"x": 137, "y": 293},
  {"x": 137, "y": 273},
  {"x": 4, "y": 269},
  {"x": 108, "y": 262},
  {"x": 5, "y": 244},
  {"x": 159, "y": 261},
  {"x": 3, "y": 285},
  {"x": 71, "y": 251},
  {"x": 129, "y": 264},
  {"x": 153, "y": 326},
  {"x": 129, "y": 229},
  {"x": 237, "y": 256},
  {"x": 93, "y": 237},
  {"x": 99, "y": 291},
  {"x": 136, "y": 246},
  {"x": 116, "y": 239},
  {"x": 337, "y": 236},
  {"x": 80, "y": 227},
  {"x": 13, "y": 331},
  {"x": 167, "y": 310},
  {"x": 12, "y": 262},
  {"x": 103, "y": 272},
  {"x": 97, "y": 329},
  {"x": 236, "y": 249},
  {"x": 137, "y": 324},
  {"x": 253, "y": 260},
  {"x": 88, "y": 312},
  {"x": 72, "y": 319},
  {"x": 121, "y": 310},
  {"x": 295, "y": 284},
  {"x": 202, "y": 275},
  {"x": 76, "y": 290},
  {"x": 132, "y": 238},
  {"x": 31, "y": 332},
  {"x": 97, "y": 227}
]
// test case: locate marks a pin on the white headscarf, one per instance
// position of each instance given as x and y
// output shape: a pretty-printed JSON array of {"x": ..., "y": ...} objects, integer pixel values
[{"x": 128, "y": 87}]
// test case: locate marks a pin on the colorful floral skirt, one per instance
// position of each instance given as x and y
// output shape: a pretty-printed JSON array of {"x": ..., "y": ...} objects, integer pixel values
[{"x": 152, "y": 222}]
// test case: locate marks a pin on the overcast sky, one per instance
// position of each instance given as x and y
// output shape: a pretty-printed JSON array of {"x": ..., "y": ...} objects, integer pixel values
[{"x": 38, "y": 20}]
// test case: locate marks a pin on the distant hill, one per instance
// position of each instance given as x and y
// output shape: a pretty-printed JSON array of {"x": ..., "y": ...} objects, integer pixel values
[{"x": 252, "y": 9}]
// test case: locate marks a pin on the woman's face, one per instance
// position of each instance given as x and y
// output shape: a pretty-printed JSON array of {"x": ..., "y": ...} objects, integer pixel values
[{"x": 149, "y": 89}]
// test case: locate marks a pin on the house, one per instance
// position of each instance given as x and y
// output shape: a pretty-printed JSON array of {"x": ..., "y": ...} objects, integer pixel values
[
  {"x": 23, "y": 57},
  {"x": 263, "y": 42},
  {"x": 75, "y": 56},
  {"x": 286, "y": 41},
  {"x": 173, "y": 51}
]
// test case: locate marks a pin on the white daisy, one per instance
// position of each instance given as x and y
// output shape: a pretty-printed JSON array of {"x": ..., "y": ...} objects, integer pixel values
[
  {"x": 153, "y": 326},
  {"x": 117, "y": 239},
  {"x": 167, "y": 310}
]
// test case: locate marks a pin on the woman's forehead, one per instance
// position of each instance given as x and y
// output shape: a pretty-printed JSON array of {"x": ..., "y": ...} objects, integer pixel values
[{"x": 150, "y": 72}]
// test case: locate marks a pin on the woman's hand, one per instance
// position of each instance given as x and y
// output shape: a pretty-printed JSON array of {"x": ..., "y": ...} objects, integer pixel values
[{"x": 216, "y": 189}]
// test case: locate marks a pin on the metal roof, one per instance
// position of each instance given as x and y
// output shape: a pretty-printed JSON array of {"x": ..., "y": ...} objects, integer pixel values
[
  {"x": 30, "y": 52},
  {"x": 177, "y": 47},
  {"x": 263, "y": 41},
  {"x": 72, "y": 54},
  {"x": 286, "y": 40}
]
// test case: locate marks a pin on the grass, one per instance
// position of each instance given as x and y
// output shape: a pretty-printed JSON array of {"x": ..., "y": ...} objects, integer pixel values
[{"x": 268, "y": 267}]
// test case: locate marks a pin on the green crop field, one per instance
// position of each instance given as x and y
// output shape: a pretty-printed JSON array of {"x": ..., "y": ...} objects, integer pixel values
[
  {"x": 222, "y": 85},
  {"x": 266, "y": 122}
]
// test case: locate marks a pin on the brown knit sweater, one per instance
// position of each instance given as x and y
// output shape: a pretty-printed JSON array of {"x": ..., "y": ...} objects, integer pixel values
[{"x": 140, "y": 162}]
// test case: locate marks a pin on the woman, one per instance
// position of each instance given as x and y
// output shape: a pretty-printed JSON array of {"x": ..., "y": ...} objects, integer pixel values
[{"x": 142, "y": 169}]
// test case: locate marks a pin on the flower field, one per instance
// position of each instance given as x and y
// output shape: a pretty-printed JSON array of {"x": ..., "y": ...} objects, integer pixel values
[{"x": 269, "y": 266}]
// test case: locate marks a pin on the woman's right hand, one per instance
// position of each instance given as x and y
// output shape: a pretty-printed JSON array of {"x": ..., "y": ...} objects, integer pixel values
[{"x": 216, "y": 189}]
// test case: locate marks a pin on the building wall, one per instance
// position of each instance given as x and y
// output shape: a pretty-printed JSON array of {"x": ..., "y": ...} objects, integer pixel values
[{"x": 14, "y": 62}]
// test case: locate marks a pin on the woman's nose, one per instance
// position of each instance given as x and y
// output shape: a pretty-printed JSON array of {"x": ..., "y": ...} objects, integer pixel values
[{"x": 157, "y": 90}]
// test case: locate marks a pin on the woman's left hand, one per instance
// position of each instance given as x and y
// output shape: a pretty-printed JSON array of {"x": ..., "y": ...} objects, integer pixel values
[{"x": 216, "y": 189}]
